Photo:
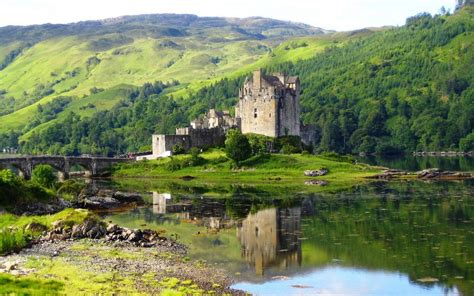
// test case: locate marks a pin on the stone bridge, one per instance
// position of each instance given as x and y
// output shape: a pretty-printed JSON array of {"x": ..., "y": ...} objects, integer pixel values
[{"x": 93, "y": 166}]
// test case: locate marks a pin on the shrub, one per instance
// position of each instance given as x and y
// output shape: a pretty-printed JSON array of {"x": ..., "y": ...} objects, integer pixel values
[
  {"x": 44, "y": 175},
  {"x": 237, "y": 146},
  {"x": 288, "y": 144},
  {"x": 177, "y": 149},
  {"x": 289, "y": 149},
  {"x": 259, "y": 143}
]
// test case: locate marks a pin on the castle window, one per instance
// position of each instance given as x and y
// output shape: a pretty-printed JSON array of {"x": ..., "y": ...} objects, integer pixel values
[
  {"x": 270, "y": 115},
  {"x": 255, "y": 113}
]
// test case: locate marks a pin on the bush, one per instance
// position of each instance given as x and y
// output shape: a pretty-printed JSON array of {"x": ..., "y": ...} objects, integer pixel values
[
  {"x": 288, "y": 144},
  {"x": 43, "y": 175},
  {"x": 289, "y": 149},
  {"x": 237, "y": 146},
  {"x": 177, "y": 149},
  {"x": 259, "y": 143}
]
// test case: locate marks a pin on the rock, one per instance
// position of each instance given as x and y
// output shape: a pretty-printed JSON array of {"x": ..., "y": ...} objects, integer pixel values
[
  {"x": 100, "y": 202},
  {"x": 35, "y": 227},
  {"x": 128, "y": 197},
  {"x": 89, "y": 229},
  {"x": 316, "y": 173},
  {"x": 429, "y": 173},
  {"x": 9, "y": 266},
  {"x": 439, "y": 174},
  {"x": 112, "y": 228},
  {"x": 316, "y": 182}
]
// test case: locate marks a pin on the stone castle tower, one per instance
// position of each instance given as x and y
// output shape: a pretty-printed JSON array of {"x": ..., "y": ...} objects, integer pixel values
[{"x": 269, "y": 105}]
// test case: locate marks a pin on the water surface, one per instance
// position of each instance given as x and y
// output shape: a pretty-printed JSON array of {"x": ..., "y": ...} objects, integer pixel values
[{"x": 377, "y": 239}]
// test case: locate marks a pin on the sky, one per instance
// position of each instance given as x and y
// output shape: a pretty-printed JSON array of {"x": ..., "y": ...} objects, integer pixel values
[{"x": 338, "y": 15}]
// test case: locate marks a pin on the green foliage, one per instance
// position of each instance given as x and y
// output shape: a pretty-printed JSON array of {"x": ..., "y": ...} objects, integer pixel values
[
  {"x": 11, "y": 240},
  {"x": 70, "y": 189},
  {"x": 178, "y": 149},
  {"x": 400, "y": 89},
  {"x": 237, "y": 146},
  {"x": 259, "y": 143},
  {"x": 15, "y": 192},
  {"x": 467, "y": 143},
  {"x": 288, "y": 144},
  {"x": 44, "y": 175}
]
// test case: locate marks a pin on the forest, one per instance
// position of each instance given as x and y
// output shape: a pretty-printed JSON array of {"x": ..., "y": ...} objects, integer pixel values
[{"x": 398, "y": 90}]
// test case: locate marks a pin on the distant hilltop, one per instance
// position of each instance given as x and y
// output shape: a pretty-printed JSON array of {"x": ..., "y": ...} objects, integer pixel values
[{"x": 161, "y": 24}]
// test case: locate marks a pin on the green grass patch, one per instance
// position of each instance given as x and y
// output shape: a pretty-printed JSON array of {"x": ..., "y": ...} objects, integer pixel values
[
  {"x": 280, "y": 170},
  {"x": 11, "y": 285}
]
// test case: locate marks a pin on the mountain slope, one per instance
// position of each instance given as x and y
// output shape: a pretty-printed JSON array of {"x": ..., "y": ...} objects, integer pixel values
[
  {"x": 40, "y": 63},
  {"x": 392, "y": 90}
]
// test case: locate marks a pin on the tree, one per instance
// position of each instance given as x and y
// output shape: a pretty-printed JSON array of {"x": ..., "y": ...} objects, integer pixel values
[
  {"x": 467, "y": 144},
  {"x": 43, "y": 174},
  {"x": 237, "y": 146}
]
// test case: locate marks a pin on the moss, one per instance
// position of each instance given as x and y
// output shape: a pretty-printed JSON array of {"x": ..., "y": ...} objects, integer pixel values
[
  {"x": 28, "y": 286},
  {"x": 174, "y": 286},
  {"x": 79, "y": 280}
]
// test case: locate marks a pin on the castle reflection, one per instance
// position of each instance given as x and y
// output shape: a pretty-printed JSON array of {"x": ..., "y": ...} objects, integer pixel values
[
  {"x": 268, "y": 238},
  {"x": 271, "y": 238}
]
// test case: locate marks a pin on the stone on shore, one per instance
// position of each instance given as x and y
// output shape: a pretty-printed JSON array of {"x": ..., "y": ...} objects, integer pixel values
[{"x": 316, "y": 173}]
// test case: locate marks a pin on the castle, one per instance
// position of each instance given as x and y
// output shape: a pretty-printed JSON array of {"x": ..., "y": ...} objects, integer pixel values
[{"x": 268, "y": 105}]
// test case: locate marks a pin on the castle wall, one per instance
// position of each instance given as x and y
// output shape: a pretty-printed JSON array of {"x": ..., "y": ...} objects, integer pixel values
[
  {"x": 269, "y": 106},
  {"x": 188, "y": 138},
  {"x": 207, "y": 137},
  {"x": 258, "y": 115},
  {"x": 163, "y": 143},
  {"x": 289, "y": 123}
]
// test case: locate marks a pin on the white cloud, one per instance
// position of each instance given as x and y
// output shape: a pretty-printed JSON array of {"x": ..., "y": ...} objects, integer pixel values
[{"x": 339, "y": 15}]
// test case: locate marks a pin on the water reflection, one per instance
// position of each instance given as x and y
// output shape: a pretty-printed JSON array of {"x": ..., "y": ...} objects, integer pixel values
[
  {"x": 412, "y": 232},
  {"x": 271, "y": 238}
]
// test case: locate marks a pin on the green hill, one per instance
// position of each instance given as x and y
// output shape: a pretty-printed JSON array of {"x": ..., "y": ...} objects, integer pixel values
[
  {"x": 40, "y": 63},
  {"x": 381, "y": 90}
]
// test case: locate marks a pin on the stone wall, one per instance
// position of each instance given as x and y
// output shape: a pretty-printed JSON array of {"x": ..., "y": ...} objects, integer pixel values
[
  {"x": 188, "y": 138},
  {"x": 163, "y": 143}
]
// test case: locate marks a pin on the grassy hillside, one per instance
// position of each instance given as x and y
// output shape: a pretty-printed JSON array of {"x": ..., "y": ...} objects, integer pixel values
[
  {"x": 41, "y": 63},
  {"x": 389, "y": 90}
]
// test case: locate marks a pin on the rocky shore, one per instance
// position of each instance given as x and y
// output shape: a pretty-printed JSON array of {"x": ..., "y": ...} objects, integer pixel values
[
  {"x": 128, "y": 269},
  {"x": 146, "y": 260},
  {"x": 427, "y": 174}
]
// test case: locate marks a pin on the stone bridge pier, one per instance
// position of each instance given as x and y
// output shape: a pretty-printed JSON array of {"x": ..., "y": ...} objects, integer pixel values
[{"x": 94, "y": 166}]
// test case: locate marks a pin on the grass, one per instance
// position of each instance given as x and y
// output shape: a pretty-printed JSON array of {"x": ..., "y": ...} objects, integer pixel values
[
  {"x": 192, "y": 62},
  {"x": 11, "y": 285},
  {"x": 282, "y": 171},
  {"x": 78, "y": 280},
  {"x": 14, "y": 236}
]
